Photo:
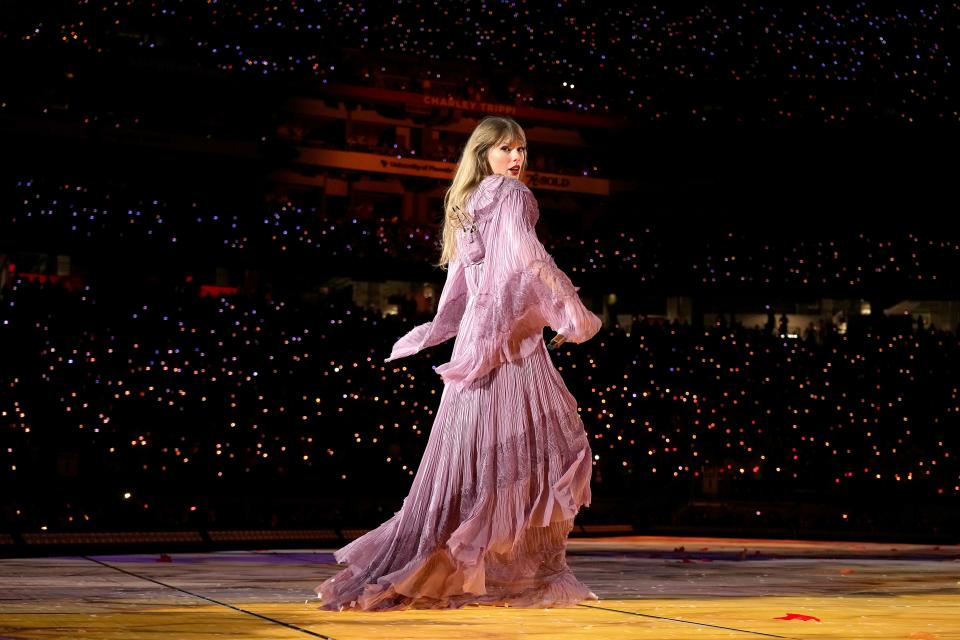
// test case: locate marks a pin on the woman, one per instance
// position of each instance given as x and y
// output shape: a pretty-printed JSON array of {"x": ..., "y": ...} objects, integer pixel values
[{"x": 507, "y": 464}]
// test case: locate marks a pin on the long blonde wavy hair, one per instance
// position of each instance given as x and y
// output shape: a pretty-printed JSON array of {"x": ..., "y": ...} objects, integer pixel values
[{"x": 472, "y": 168}]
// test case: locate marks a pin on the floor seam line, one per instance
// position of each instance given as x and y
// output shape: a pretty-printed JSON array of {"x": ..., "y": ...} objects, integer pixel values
[
  {"x": 699, "y": 624},
  {"x": 216, "y": 602}
]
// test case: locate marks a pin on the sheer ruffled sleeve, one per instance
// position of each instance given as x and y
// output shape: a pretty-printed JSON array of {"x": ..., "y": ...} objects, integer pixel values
[
  {"x": 549, "y": 287},
  {"x": 522, "y": 290},
  {"x": 450, "y": 309}
]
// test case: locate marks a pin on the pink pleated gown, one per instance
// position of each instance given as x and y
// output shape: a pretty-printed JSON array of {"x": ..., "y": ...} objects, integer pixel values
[{"x": 507, "y": 464}]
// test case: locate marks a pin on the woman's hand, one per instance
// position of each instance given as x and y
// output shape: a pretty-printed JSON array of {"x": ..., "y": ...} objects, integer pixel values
[{"x": 558, "y": 340}]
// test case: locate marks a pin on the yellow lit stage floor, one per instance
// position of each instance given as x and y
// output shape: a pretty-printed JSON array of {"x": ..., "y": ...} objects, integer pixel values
[{"x": 649, "y": 587}]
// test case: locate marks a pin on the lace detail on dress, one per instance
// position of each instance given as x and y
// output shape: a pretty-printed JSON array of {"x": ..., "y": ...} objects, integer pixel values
[
  {"x": 517, "y": 459},
  {"x": 541, "y": 282}
]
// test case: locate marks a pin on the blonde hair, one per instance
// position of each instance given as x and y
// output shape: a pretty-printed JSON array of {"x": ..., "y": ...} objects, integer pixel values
[{"x": 472, "y": 168}]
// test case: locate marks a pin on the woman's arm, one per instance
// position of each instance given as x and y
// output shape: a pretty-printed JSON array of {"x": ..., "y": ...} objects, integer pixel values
[
  {"x": 521, "y": 250},
  {"x": 521, "y": 291},
  {"x": 450, "y": 309}
]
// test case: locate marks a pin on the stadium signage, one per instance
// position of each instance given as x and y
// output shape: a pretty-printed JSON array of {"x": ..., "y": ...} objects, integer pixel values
[{"x": 410, "y": 166}]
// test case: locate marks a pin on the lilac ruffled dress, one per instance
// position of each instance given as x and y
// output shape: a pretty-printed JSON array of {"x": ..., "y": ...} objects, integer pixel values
[{"x": 507, "y": 464}]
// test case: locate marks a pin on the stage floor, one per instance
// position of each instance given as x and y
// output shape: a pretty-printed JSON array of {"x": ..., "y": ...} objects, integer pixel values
[{"x": 649, "y": 587}]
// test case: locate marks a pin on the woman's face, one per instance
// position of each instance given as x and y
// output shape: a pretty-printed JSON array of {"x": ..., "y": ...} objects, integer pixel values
[{"x": 507, "y": 158}]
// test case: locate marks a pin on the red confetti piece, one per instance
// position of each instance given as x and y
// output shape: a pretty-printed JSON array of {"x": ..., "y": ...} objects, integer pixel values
[
  {"x": 797, "y": 616},
  {"x": 164, "y": 558}
]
